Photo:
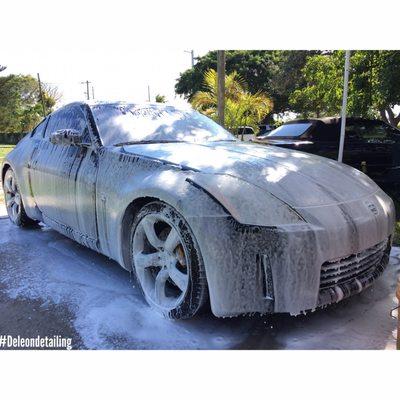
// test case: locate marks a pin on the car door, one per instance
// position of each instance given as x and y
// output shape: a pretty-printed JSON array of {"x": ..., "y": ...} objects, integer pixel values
[
  {"x": 354, "y": 149},
  {"x": 324, "y": 140},
  {"x": 378, "y": 142},
  {"x": 63, "y": 178},
  {"x": 368, "y": 147}
]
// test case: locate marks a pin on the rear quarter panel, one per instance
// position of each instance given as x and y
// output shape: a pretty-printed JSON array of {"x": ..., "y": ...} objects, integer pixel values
[{"x": 19, "y": 160}]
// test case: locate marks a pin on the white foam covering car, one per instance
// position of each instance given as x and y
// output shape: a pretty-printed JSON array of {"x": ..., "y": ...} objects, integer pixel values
[{"x": 197, "y": 215}]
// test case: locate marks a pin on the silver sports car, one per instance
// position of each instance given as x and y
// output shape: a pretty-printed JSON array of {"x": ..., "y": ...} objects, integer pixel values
[{"x": 197, "y": 215}]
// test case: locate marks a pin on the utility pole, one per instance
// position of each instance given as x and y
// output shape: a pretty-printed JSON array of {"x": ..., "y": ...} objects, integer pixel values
[
  {"x": 87, "y": 89},
  {"x": 192, "y": 55},
  {"x": 92, "y": 92},
  {"x": 221, "y": 86},
  {"x": 41, "y": 95},
  {"x": 148, "y": 92},
  {"x": 344, "y": 104}
]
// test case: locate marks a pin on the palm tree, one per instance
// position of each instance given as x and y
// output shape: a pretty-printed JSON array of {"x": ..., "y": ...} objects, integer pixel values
[{"x": 241, "y": 107}]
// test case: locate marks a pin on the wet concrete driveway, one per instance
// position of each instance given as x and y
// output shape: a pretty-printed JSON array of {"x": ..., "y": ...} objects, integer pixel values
[{"x": 50, "y": 285}]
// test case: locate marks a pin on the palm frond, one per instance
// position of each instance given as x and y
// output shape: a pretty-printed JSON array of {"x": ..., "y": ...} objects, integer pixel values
[{"x": 241, "y": 107}]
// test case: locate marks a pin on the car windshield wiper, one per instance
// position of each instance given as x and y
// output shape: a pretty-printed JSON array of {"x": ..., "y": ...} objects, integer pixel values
[{"x": 147, "y": 142}]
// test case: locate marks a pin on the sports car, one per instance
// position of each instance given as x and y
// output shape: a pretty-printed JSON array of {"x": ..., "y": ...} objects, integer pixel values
[{"x": 197, "y": 216}]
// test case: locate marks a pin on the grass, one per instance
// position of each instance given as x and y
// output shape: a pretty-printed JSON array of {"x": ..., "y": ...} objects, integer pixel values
[
  {"x": 4, "y": 150},
  {"x": 396, "y": 239},
  {"x": 395, "y": 195}
]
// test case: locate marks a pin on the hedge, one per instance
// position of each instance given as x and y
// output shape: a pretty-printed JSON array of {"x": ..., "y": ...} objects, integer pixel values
[{"x": 11, "y": 138}]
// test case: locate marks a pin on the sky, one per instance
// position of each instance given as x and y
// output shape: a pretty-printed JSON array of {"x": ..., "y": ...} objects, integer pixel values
[
  {"x": 116, "y": 74},
  {"x": 123, "y": 46}
]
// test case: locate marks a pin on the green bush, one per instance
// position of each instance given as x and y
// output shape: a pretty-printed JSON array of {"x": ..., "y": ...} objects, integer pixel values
[
  {"x": 10, "y": 138},
  {"x": 396, "y": 238}
]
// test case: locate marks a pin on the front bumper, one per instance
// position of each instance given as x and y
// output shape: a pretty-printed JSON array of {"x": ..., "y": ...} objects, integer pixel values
[
  {"x": 351, "y": 275},
  {"x": 278, "y": 269}
]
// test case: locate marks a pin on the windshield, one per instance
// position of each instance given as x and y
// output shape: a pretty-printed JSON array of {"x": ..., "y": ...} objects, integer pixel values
[
  {"x": 120, "y": 124},
  {"x": 290, "y": 130}
]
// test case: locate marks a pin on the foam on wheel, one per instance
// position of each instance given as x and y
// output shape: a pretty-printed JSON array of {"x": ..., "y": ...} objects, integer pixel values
[
  {"x": 13, "y": 199},
  {"x": 167, "y": 261}
]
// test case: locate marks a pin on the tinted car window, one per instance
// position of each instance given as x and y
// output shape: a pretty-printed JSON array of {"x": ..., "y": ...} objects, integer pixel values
[
  {"x": 325, "y": 133},
  {"x": 352, "y": 132},
  {"x": 38, "y": 132},
  {"x": 375, "y": 131},
  {"x": 246, "y": 131},
  {"x": 134, "y": 123},
  {"x": 290, "y": 130},
  {"x": 67, "y": 118}
]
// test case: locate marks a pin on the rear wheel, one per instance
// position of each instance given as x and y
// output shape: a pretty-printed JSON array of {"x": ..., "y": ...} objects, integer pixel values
[
  {"x": 13, "y": 200},
  {"x": 167, "y": 261}
]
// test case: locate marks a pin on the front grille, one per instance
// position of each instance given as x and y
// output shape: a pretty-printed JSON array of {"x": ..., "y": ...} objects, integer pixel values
[{"x": 346, "y": 269}]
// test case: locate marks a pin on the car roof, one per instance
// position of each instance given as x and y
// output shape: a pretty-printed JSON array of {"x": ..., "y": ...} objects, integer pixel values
[
  {"x": 92, "y": 103},
  {"x": 331, "y": 120},
  {"x": 128, "y": 103}
]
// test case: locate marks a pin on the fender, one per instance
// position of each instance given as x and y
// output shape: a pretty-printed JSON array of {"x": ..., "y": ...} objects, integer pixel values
[
  {"x": 120, "y": 185},
  {"x": 248, "y": 204}
]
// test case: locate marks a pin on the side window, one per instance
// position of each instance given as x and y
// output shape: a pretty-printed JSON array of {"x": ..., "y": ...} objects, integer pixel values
[
  {"x": 326, "y": 133},
  {"x": 38, "y": 132},
  {"x": 68, "y": 118},
  {"x": 376, "y": 132},
  {"x": 54, "y": 123},
  {"x": 354, "y": 131},
  {"x": 370, "y": 131}
]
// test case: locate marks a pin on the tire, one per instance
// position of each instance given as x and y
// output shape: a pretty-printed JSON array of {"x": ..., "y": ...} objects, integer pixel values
[
  {"x": 13, "y": 199},
  {"x": 167, "y": 262}
]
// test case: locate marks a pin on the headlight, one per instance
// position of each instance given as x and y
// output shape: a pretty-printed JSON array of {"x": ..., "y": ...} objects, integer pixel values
[{"x": 247, "y": 203}]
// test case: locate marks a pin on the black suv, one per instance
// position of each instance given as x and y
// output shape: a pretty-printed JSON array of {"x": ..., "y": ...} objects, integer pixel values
[{"x": 370, "y": 145}]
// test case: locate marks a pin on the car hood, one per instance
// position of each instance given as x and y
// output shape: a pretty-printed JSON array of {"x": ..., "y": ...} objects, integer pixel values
[{"x": 297, "y": 178}]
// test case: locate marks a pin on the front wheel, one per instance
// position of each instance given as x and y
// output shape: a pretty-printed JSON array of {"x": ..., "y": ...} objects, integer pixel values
[{"x": 167, "y": 261}]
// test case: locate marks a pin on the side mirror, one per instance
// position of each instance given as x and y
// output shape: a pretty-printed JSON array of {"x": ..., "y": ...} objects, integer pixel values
[{"x": 67, "y": 137}]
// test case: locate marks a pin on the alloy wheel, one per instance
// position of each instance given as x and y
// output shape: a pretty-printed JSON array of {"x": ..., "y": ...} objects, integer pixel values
[
  {"x": 12, "y": 196},
  {"x": 160, "y": 261}
]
